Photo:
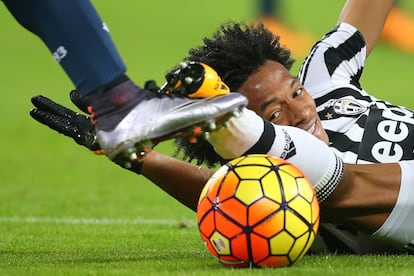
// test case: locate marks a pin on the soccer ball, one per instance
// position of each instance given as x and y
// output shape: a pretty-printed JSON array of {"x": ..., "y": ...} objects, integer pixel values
[{"x": 258, "y": 211}]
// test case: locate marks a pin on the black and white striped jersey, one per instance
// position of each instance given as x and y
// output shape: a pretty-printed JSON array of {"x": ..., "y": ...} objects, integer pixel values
[{"x": 362, "y": 128}]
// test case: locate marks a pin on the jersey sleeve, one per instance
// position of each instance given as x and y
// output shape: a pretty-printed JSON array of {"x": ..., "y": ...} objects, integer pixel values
[{"x": 336, "y": 60}]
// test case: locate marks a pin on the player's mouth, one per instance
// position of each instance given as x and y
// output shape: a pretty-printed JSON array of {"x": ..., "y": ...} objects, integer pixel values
[
  {"x": 312, "y": 128},
  {"x": 315, "y": 128}
]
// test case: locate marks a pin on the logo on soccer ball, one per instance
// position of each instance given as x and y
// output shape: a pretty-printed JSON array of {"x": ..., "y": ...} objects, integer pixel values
[{"x": 258, "y": 211}]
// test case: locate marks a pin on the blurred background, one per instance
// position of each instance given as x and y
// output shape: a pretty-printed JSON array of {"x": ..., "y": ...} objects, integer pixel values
[{"x": 44, "y": 174}]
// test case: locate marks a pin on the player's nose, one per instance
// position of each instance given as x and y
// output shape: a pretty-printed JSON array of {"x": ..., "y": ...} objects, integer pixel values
[{"x": 301, "y": 114}]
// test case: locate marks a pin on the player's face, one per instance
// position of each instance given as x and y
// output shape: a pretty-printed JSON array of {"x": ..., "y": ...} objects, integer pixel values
[{"x": 275, "y": 95}]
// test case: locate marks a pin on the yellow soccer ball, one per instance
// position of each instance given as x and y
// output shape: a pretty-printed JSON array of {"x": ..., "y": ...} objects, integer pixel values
[{"x": 258, "y": 211}]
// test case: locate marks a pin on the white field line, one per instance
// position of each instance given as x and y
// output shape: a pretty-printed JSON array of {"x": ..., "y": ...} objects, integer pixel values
[{"x": 98, "y": 221}]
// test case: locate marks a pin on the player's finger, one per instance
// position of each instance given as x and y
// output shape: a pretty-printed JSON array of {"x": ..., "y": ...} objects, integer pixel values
[
  {"x": 55, "y": 122},
  {"x": 45, "y": 104}
]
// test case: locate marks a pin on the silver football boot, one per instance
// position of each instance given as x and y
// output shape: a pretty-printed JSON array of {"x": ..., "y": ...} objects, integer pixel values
[
  {"x": 165, "y": 117},
  {"x": 130, "y": 121}
]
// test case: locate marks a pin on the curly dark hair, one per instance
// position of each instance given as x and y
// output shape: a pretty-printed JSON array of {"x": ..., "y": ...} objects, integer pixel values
[{"x": 235, "y": 51}]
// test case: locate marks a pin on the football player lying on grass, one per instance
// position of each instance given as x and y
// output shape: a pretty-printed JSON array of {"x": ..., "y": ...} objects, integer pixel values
[
  {"x": 326, "y": 99},
  {"x": 368, "y": 197},
  {"x": 358, "y": 191}
]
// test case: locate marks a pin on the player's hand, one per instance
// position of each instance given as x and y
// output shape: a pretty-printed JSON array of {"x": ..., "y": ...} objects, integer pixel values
[
  {"x": 65, "y": 121},
  {"x": 71, "y": 124}
]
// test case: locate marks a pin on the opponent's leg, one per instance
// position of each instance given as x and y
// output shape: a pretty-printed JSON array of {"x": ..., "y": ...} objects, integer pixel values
[
  {"x": 77, "y": 38},
  {"x": 125, "y": 115}
]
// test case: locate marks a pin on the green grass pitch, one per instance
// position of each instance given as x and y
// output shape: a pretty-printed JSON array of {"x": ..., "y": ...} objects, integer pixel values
[{"x": 64, "y": 211}]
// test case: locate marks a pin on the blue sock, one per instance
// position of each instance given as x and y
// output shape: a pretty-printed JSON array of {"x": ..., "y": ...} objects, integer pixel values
[{"x": 76, "y": 36}]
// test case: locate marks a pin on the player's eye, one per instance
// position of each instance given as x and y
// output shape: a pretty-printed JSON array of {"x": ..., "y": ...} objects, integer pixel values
[
  {"x": 275, "y": 116},
  {"x": 298, "y": 92}
]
